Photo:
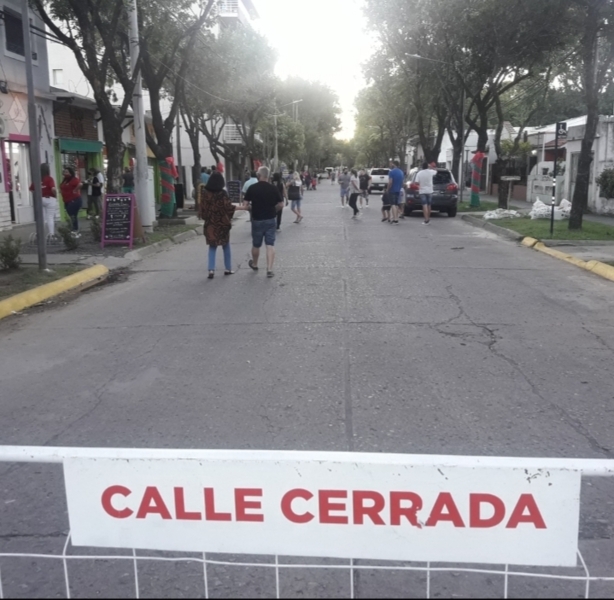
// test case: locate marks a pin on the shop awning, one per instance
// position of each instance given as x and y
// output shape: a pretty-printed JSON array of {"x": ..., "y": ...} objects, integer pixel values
[{"x": 70, "y": 145}]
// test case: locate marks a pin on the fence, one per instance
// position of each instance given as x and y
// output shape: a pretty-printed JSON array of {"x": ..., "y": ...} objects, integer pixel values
[{"x": 39, "y": 564}]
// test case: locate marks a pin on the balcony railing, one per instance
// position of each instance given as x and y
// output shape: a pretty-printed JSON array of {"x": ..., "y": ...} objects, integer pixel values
[{"x": 228, "y": 8}]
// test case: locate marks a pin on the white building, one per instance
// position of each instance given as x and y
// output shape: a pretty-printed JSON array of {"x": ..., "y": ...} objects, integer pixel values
[{"x": 16, "y": 204}]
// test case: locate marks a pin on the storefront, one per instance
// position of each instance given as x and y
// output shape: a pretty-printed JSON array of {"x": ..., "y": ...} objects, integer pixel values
[
  {"x": 16, "y": 203},
  {"x": 77, "y": 144}
]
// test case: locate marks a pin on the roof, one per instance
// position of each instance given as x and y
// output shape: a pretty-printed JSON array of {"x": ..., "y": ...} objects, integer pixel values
[{"x": 552, "y": 143}]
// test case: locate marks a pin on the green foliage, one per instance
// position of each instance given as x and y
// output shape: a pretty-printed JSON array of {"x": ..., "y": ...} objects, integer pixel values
[
  {"x": 605, "y": 181},
  {"x": 96, "y": 229},
  {"x": 70, "y": 241},
  {"x": 9, "y": 253},
  {"x": 515, "y": 149}
]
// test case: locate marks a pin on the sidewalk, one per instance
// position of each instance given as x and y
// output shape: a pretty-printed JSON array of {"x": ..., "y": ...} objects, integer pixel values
[{"x": 526, "y": 207}]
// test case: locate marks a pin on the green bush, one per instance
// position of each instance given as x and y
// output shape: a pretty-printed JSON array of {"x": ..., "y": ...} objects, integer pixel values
[
  {"x": 9, "y": 253},
  {"x": 605, "y": 181},
  {"x": 70, "y": 241},
  {"x": 96, "y": 229}
]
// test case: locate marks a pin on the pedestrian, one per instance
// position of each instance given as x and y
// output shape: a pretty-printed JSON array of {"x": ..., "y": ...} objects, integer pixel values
[
  {"x": 402, "y": 201},
  {"x": 281, "y": 188},
  {"x": 354, "y": 192},
  {"x": 204, "y": 175},
  {"x": 71, "y": 195},
  {"x": 314, "y": 181},
  {"x": 308, "y": 180},
  {"x": 94, "y": 200},
  {"x": 385, "y": 206},
  {"x": 365, "y": 178},
  {"x": 295, "y": 195},
  {"x": 424, "y": 179},
  {"x": 395, "y": 184},
  {"x": 50, "y": 199},
  {"x": 216, "y": 209},
  {"x": 344, "y": 186},
  {"x": 333, "y": 176},
  {"x": 128, "y": 181},
  {"x": 252, "y": 179},
  {"x": 265, "y": 201}
]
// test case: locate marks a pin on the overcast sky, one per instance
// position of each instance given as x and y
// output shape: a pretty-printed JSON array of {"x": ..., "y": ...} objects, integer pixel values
[{"x": 321, "y": 40}]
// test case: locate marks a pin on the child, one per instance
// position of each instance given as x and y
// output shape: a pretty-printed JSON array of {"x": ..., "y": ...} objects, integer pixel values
[{"x": 386, "y": 207}]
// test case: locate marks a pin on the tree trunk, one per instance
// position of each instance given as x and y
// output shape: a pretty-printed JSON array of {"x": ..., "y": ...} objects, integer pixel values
[
  {"x": 591, "y": 93},
  {"x": 585, "y": 160},
  {"x": 115, "y": 152}
]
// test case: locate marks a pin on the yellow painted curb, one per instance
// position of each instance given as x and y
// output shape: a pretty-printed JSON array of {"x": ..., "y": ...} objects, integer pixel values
[
  {"x": 49, "y": 290},
  {"x": 606, "y": 271},
  {"x": 529, "y": 242}
]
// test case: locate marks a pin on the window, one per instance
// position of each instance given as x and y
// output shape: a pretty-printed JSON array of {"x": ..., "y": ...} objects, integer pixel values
[
  {"x": 13, "y": 33},
  {"x": 380, "y": 171},
  {"x": 58, "y": 76},
  {"x": 442, "y": 177}
]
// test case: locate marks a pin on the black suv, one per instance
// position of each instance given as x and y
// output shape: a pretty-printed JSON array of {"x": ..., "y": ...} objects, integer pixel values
[{"x": 445, "y": 194}]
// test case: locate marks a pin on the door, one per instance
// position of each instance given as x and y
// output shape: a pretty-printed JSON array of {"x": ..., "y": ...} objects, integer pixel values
[{"x": 18, "y": 180}]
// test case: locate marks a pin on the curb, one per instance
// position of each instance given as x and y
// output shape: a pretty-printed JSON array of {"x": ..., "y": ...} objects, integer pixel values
[
  {"x": 594, "y": 266},
  {"x": 82, "y": 279},
  {"x": 477, "y": 222}
]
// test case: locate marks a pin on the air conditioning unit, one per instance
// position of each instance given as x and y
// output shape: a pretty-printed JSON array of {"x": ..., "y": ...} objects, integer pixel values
[{"x": 34, "y": 56}]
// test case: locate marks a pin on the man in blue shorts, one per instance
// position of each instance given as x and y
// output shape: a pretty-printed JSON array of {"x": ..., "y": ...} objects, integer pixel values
[
  {"x": 424, "y": 179},
  {"x": 395, "y": 184},
  {"x": 344, "y": 187},
  {"x": 265, "y": 201}
]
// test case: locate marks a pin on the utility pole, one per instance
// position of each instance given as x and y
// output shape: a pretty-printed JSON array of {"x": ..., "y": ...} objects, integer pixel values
[
  {"x": 461, "y": 166},
  {"x": 179, "y": 160},
  {"x": 276, "y": 158},
  {"x": 147, "y": 209},
  {"x": 35, "y": 152}
]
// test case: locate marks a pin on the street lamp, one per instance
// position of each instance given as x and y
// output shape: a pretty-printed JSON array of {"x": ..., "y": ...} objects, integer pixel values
[{"x": 461, "y": 166}]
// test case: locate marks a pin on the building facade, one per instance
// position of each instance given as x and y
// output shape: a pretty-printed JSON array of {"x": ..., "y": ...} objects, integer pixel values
[{"x": 16, "y": 203}]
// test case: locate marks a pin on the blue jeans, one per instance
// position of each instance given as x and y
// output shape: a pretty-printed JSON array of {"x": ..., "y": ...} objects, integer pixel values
[
  {"x": 227, "y": 260},
  {"x": 72, "y": 210}
]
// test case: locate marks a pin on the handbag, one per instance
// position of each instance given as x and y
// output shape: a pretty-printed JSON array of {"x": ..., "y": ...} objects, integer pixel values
[{"x": 294, "y": 192}]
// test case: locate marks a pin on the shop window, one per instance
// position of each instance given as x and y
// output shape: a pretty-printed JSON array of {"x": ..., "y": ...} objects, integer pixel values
[{"x": 58, "y": 76}]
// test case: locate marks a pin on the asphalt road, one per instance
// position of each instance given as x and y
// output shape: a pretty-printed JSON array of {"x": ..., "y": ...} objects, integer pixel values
[{"x": 371, "y": 337}]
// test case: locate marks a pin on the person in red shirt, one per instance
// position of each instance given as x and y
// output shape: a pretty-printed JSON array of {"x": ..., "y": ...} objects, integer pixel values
[
  {"x": 50, "y": 202},
  {"x": 71, "y": 194}
]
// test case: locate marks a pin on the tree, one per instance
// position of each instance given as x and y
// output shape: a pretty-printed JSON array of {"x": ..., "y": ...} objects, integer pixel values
[
  {"x": 89, "y": 29},
  {"x": 168, "y": 34},
  {"x": 595, "y": 28},
  {"x": 238, "y": 64},
  {"x": 290, "y": 139}
]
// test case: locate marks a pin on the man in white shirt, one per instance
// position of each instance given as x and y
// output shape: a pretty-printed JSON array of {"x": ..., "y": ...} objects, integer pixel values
[{"x": 425, "y": 180}]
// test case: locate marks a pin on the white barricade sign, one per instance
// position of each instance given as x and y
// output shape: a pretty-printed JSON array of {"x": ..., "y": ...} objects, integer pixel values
[{"x": 318, "y": 504}]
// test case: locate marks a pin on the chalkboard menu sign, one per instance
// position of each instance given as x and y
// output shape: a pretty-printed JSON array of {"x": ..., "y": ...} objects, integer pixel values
[
  {"x": 234, "y": 190},
  {"x": 118, "y": 219}
]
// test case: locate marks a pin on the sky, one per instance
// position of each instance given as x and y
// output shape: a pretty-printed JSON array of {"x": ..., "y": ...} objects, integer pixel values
[{"x": 322, "y": 40}]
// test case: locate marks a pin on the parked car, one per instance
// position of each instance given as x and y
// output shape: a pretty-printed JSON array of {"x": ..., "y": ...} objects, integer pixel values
[
  {"x": 445, "y": 194},
  {"x": 379, "y": 179}
]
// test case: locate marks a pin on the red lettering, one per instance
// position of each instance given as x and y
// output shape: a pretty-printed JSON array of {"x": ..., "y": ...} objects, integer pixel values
[
  {"x": 326, "y": 506},
  {"x": 108, "y": 494},
  {"x": 409, "y": 512},
  {"x": 475, "y": 510},
  {"x": 445, "y": 501},
  {"x": 180, "y": 512},
  {"x": 210, "y": 514},
  {"x": 286, "y": 506},
  {"x": 526, "y": 502},
  {"x": 242, "y": 505},
  {"x": 152, "y": 504},
  {"x": 361, "y": 511}
]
